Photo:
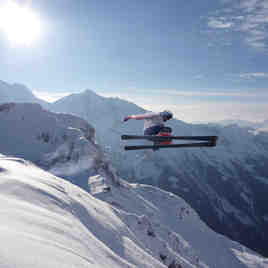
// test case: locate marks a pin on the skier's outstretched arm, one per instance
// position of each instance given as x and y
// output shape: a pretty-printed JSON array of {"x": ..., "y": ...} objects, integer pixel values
[{"x": 140, "y": 116}]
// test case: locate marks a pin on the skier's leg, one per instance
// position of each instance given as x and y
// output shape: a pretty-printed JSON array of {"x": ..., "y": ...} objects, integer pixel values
[
  {"x": 166, "y": 129},
  {"x": 152, "y": 130}
]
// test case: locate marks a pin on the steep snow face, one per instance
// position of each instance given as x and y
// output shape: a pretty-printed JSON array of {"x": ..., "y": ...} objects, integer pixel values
[
  {"x": 48, "y": 222},
  {"x": 63, "y": 144},
  {"x": 227, "y": 185}
]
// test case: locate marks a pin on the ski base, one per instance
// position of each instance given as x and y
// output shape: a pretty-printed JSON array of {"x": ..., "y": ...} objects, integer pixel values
[
  {"x": 165, "y": 138},
  {"x": 157, "y": 147}
]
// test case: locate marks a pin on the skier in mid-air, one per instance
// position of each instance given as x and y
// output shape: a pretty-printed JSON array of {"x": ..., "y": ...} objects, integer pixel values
[
  {"x": 156, "y": 132},
  {"x": 153, "y": 122}
]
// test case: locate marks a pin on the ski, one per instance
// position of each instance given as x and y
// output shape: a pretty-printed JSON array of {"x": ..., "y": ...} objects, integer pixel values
[
  {"x": 165, "y": 138},
  {"x": 156, "y": 147}
]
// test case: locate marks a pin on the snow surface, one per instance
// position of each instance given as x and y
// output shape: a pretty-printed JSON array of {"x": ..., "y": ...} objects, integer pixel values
[{"x": 48, "y": 222}]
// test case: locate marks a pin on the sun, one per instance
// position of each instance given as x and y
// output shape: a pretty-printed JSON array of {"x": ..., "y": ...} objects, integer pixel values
[{"x": 19, "y": 23}]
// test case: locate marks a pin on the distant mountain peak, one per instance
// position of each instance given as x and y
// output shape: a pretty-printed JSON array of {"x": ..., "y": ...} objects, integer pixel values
[
  {"x": 3, "y": 83},
  {"x": 90, "y": 91}
]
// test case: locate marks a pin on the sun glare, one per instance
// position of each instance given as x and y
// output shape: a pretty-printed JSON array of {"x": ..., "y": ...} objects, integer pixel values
[{"x": 20, "y": 23}]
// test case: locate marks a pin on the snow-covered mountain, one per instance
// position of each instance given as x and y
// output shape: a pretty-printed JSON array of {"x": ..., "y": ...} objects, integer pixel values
[
  {"x": 17, "y": 93},
  {"x": 49, "y": 222},
  {"x": 61, "y": 143},
  {"x": 227, "y": 185},
  {"x": 260, "y": 126}
]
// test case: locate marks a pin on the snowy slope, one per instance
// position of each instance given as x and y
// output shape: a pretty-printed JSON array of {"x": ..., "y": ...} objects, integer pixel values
[
  {"x": 227, "y": 185},
  {"x": 48, "y": 222}
]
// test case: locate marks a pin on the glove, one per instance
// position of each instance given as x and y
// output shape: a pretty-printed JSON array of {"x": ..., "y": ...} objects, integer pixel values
[{"x": 127, "y": 118}]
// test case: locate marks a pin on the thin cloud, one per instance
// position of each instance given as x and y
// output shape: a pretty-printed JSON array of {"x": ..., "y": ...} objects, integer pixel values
[
  {"x": 254, "y": 75},
  {"x": 187, "y": 108},
  {"x": 170, "y": 93},
  {"x": 218, "y": 23},
  {"x": 252, "y": 21},
  {"x": 226, "y": 1},
  {"x": 199, "y": 76},
  {"x": 208, "y": 111},
  {"x": 250, "y": 5},
  {"x": 50, "y": 96},
  {"x": 211, "y": 111},
  {"x": 223, "y": 93}
]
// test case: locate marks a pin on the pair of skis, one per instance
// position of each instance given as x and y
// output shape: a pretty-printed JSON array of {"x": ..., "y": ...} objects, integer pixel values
[{"x": 207, "y": 141}]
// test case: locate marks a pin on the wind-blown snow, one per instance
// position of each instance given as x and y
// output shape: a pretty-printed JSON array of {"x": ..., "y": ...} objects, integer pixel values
[{"x": 48, "y": 222}]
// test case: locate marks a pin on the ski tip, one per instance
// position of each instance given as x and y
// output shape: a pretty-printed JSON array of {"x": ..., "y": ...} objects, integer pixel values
[
  {"x": 214, "y": 140},
  {"x": 130, "y": 148},
  {"x": 123, "y": 137}
]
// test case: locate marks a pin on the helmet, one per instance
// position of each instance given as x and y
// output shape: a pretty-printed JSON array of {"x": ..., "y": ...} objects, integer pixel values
[{"x": 166, "y": 115}]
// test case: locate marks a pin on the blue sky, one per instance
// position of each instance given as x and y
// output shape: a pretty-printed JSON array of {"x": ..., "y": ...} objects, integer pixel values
[{"x": 205, "y": 60}]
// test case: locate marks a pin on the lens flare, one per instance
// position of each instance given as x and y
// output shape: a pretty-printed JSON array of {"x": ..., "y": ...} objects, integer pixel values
[{"x": 19, "y": 23}]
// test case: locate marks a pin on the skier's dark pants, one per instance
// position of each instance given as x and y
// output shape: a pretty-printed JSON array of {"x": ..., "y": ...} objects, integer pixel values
[
  {"x": 156, "y": 129},
  {"x": 152, "y": 130}
]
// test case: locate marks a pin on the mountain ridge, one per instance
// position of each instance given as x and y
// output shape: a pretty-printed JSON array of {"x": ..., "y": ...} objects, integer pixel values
[{"x": 227, "y": 185}]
